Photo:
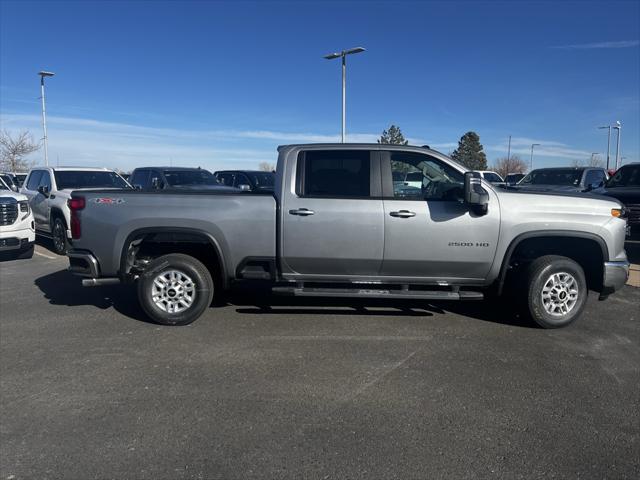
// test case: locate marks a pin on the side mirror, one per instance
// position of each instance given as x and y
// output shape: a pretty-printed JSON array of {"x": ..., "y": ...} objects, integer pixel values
[
  {"x": 44, "y": 190},
  {"x": 474, "y": 195},
  {"x": 245, "y": 187}
]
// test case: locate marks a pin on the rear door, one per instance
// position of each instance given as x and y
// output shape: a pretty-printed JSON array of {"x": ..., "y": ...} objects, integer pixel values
[
  {"x": 332, "y": 220},
  {"x": 429, "y": 233}
]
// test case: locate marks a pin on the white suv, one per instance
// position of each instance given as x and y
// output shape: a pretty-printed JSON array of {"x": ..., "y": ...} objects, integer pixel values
[
  {"x": 17, "y": 231},
  {"x": 49, "y": 188}
]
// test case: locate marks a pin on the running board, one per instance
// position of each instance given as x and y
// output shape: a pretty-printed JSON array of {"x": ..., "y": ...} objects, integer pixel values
[{"x": 378, "y": 293}]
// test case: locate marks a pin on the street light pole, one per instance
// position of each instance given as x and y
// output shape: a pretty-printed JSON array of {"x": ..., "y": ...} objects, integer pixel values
[
  {"x": 608, "y": 142},
  {"x": 531, "y": 161},
  {"x": 343, "y": 55},
  {"x": 44, "y": 115},
  {"x": 618, "y": 126}
]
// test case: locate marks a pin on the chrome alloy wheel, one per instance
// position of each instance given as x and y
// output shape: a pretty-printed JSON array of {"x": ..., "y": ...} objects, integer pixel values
[
  {"x": 173, "y": 291},
  {"x": 560, "y": 294}
]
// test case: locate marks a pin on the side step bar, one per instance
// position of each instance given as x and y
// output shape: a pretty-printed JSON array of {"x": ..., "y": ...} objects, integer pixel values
[{"x": 378, "y": 293}]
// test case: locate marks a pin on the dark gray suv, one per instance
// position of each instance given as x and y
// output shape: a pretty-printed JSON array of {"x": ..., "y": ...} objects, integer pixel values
[{"x": 563, "y": 179}]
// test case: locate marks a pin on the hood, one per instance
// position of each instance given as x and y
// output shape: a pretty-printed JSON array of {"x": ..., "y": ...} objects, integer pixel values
[
  {"x": 548, "y": 188},
  {"x": 11, "y": 194},
  {"x": 627, "y": 195}
]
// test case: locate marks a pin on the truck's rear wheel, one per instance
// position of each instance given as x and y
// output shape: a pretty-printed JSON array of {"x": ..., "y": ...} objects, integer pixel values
[
  {"x": 59, "y": 234},
  {"x": 556, "y": 291},
  {"x": 175, "y": 289}
]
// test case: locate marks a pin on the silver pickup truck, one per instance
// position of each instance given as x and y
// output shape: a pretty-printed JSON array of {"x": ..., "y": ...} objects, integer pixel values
[{"x": 343, "y": 223}]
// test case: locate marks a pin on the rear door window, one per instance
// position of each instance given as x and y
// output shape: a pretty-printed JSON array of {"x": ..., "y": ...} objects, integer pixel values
[{"x": 334, "y": 173}]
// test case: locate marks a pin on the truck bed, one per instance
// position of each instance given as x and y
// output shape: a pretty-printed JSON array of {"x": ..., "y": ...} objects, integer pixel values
[{"x": 243, "y": 224}]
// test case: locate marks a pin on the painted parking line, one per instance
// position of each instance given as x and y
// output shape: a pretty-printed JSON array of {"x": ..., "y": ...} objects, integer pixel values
[{"x": 45, "y": 256}]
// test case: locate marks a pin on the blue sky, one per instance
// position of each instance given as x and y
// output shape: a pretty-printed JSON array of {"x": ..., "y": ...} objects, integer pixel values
[{"x": 221, "y": 84}]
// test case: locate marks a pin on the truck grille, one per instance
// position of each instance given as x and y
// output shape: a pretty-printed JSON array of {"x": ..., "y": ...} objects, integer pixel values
[
  {"x": 634, "y": 213},
  {"x": 8, "y": 211}
]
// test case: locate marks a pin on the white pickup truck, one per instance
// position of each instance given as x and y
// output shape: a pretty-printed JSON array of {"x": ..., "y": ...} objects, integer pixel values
[
  {"x": 17, "y": 231},
  {"x": 48, "y": 190}
]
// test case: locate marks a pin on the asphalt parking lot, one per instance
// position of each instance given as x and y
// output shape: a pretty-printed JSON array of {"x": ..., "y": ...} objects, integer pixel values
[{"x": 89, "y": 389}]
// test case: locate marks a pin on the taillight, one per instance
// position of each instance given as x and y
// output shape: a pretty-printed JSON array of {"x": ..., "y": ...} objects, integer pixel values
[{"x": 75, "y": 205}]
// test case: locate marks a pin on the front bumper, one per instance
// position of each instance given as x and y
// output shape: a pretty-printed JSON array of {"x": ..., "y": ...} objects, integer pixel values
[
  {"x": 616, "y": 275},
  {"x": 17, "y": 239}
]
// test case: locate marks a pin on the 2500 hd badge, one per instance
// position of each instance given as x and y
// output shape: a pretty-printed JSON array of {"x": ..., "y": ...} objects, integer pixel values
[{"x": 468, "y": 244}]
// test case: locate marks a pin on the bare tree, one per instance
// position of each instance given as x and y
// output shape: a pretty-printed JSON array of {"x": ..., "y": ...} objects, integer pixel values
[
  {"x": 594, "y": 161},
  {"x": 14, "y": 149},
  {"x": 504, "y": 165},
  {"x": 266, "y": 167}
]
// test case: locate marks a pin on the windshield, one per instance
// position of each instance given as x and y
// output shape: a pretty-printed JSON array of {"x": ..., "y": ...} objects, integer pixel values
[
  {"x": 492, "y": 177},
  {"x": 627, "y": 176},
  {"x": 568, "y": 177},
  {"x": 263, "y": 180},
  {"x": 3, "y": 186},
  {"x": 190, "y": 177},
  {"x": 71, "y": 179}
]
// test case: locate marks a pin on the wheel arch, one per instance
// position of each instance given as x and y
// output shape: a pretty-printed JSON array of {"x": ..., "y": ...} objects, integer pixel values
[
  {"x": 595, "y": 241},
  {"x": 176, "y": 235}
]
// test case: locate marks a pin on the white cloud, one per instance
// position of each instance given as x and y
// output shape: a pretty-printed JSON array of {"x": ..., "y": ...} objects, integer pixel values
[
  {"x": 545, "y": 148},
  {"x": 588, "y": 46},
  {"x": 81, "y": 141}
]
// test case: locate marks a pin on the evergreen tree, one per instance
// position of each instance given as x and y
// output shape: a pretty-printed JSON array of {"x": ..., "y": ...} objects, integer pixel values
[
  {"x": 469, "y": 152},
  {"x": 393, "y": 136}
]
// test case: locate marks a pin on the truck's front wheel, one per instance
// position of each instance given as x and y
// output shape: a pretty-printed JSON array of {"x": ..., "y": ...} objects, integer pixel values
[
  {"x": 175, "y": 289},
  {"x": 556, "y": 291}
]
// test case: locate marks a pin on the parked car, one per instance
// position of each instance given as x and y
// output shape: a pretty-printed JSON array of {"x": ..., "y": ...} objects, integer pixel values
[
  {"x": 19, "y": 177},
  {"x": 9, "y": 181},
  {"x": 624, "y": 186},
  {"x": 182, "y": 178},
  {"x": 564, "y": 179},
  {"x": 335, "y": 227},
  {"x": 513, "y": 178},
  {"x": 491, "y": 177},
  {"x": 17, "y": 231},
  {"x": 48, "y": 190},
  {"x": 247, "y": 179}
]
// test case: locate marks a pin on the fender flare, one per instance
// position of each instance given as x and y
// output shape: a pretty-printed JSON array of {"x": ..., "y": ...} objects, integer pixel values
[{"x": 546, "y": 233}]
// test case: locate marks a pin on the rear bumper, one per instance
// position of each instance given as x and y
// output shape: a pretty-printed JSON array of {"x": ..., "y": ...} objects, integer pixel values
[
  {"x": 615, "y": 276},
  {"x": 83, "y": 263}
]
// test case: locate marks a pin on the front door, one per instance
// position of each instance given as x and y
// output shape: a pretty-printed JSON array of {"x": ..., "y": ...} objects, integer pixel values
[
  {"x": 429, "y": 233},
  {"x": 333, "y": 224}
]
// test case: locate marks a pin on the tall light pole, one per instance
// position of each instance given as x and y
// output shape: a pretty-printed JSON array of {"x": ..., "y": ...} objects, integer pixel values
[
  {"x": 44, "y": 115},
  {"x": 618, "y": 126},
  {"x": 531, "y": 161},
  {"x": 608, "y": 142},
  {"x": 343, "y": 54}
]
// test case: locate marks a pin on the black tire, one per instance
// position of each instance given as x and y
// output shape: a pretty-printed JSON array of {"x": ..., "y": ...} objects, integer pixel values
[
  {"x": 59, "y": 236},
  {"x": 556, "y": 291},
  {"x": 191, "y": 290},
  {"x": 27, "y": 253}
]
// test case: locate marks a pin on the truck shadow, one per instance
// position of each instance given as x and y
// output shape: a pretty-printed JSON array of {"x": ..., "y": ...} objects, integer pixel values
[{"x": 63, "y": 288}]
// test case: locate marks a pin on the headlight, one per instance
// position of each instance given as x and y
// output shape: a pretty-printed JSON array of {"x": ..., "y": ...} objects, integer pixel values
[{"x": 24, "y": 206}]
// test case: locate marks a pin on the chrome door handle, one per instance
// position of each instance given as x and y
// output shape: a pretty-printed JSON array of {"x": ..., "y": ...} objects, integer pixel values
[
  {"x": 403, "y": 214},
  {"x": 304, "y": 212}
]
